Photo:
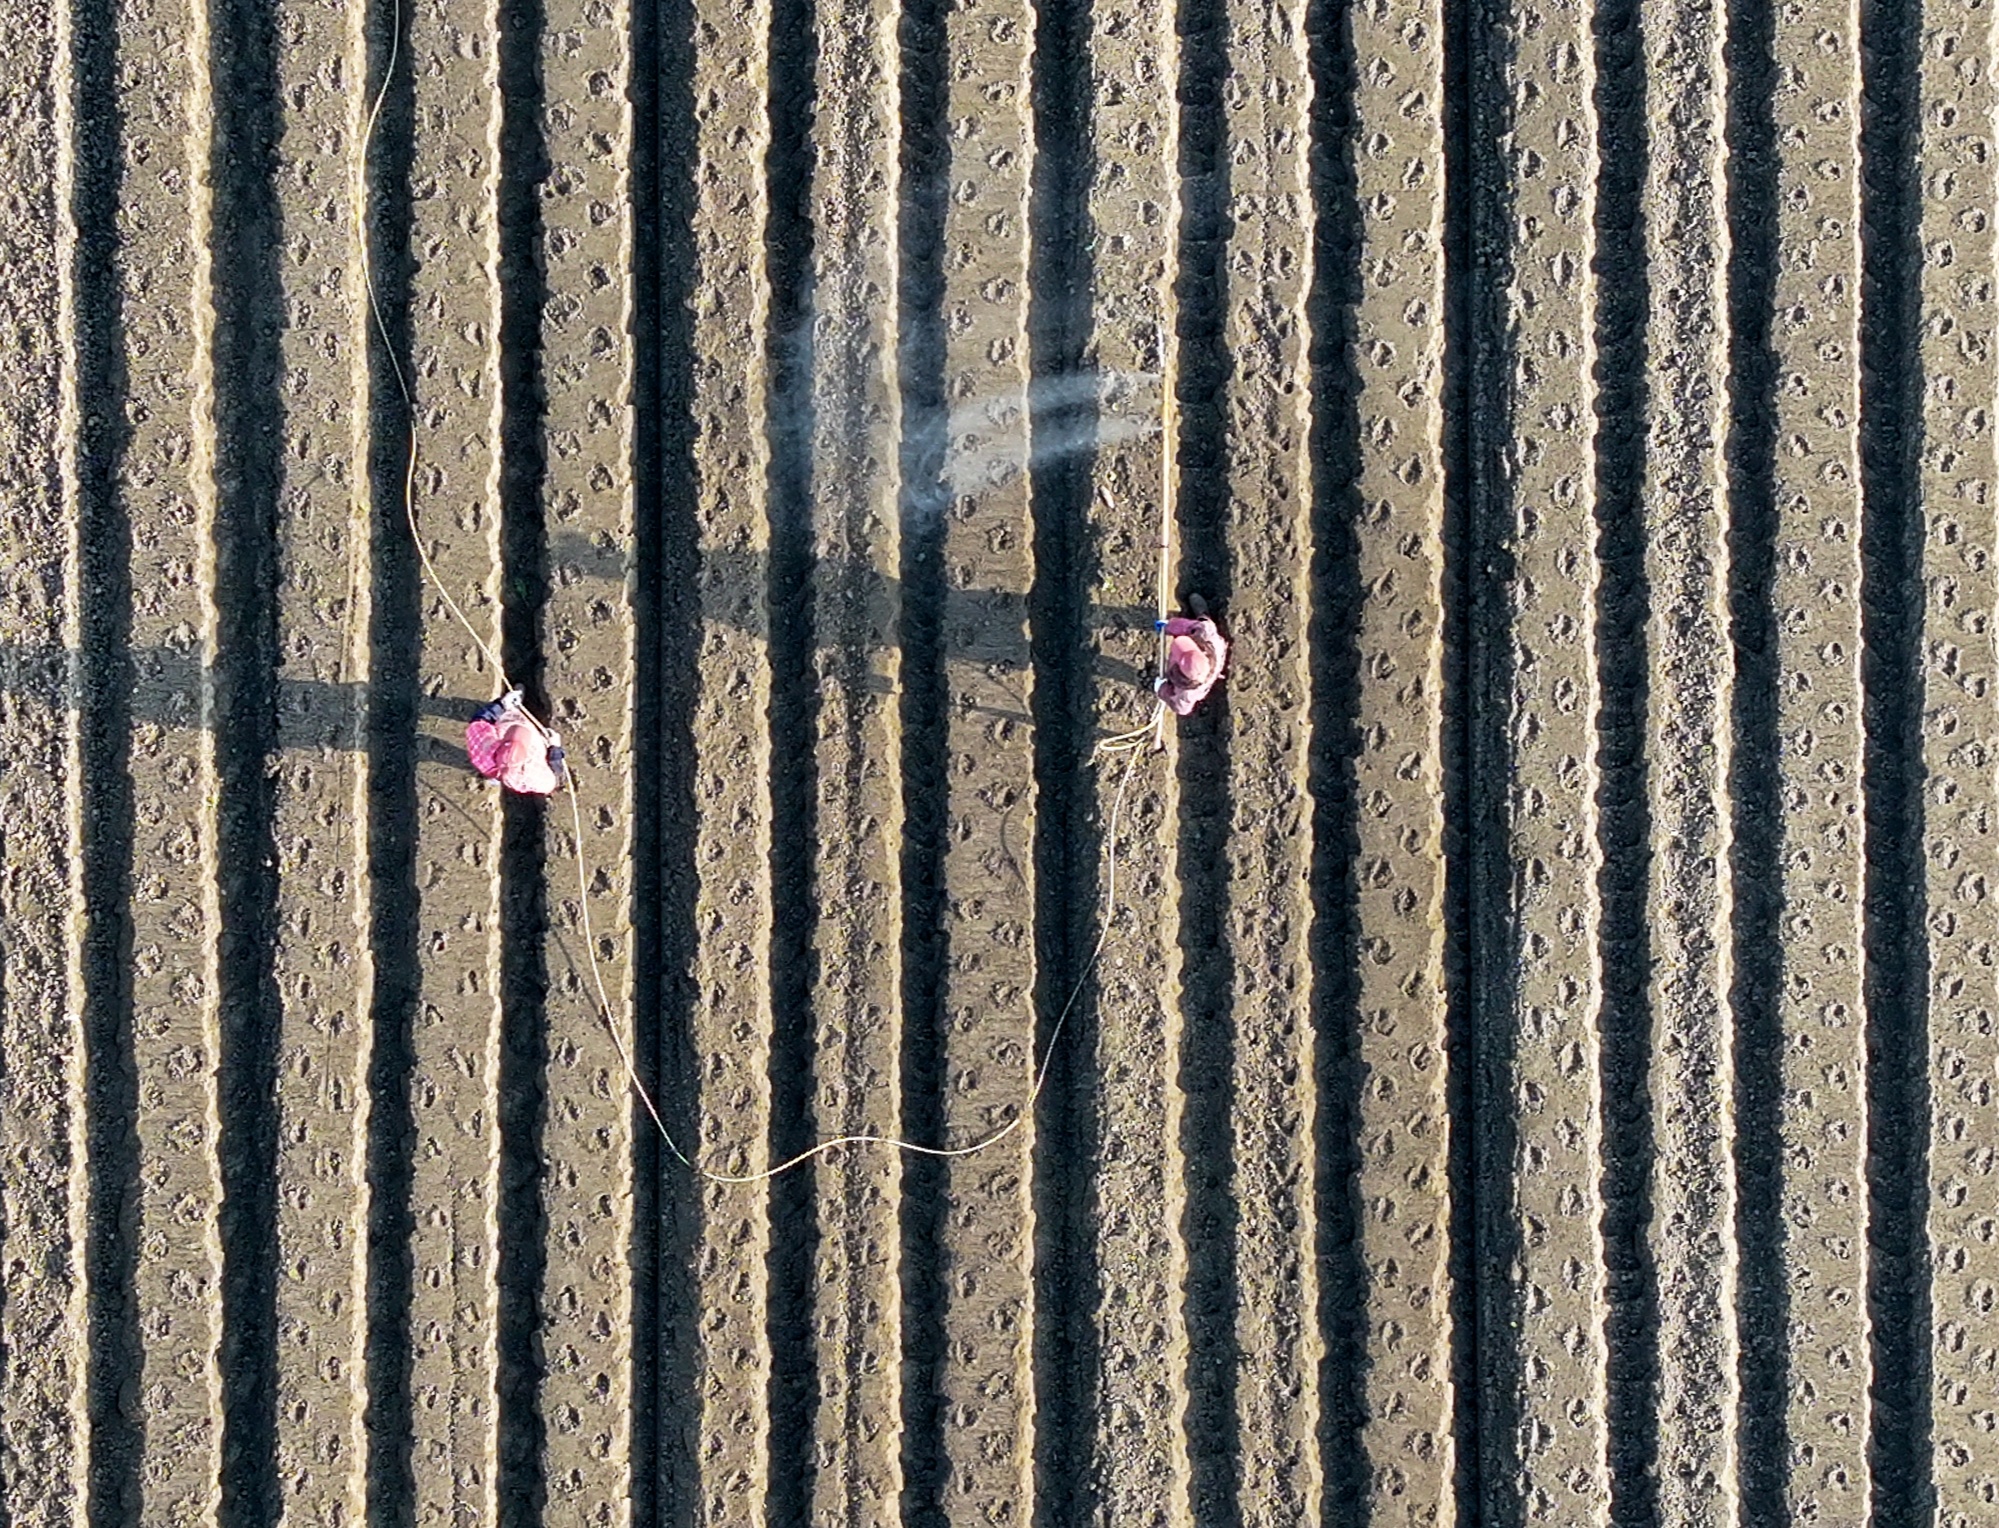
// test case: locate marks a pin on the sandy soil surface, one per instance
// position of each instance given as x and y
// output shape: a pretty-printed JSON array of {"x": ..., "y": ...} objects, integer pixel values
[{"x": 1540, "y": 1063}]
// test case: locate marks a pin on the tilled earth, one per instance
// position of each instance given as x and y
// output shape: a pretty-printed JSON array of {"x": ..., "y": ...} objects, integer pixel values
[{"x": 1540, "y": 1067}]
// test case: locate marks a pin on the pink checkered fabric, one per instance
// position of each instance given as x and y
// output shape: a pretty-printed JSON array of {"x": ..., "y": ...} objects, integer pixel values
[
  {"x": 1196, "y": 654},
  {"x": 512, "y": 751}
]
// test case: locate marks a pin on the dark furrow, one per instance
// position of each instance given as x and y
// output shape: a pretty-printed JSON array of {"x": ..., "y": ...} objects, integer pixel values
[
  {"x": 1474, "y": 777},
  {"x": 920, "y": 366},
  {"x": 669, "y": 1412},
  {"x": 1066, "y": 847},
  {"x": 522, "y": 1116},
  {"x": 1201, "y": 865},
  {"x": 661, "y": 751},
  {"x": 1898, "y": 976},
  {"x": 248, "y": 297},
  {"x": 395, "y": 621},
  {"x": 523, "y": 1102},
  {"x": 1625, "y": 826},
  {"x": 794, "y": 1376},
  {"x": 1756, "y": 875},
  {"x": 1335, "y": 666},
  {"x": 1479, "y": 276},
  {"x": 111, "y": 1082}
]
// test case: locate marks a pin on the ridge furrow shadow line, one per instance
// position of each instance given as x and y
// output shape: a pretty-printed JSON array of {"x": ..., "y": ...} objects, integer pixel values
[
  {"x": 521, "y": 1486},
  {"x": 248, "y": 290},
  {"x": 395, "y": 624},
  {"x": 111, "y": 1090},
  {"x": 1335, "y": 704},
  {"x": 662, "y": 719},
  {"x": 1200, "y": 856},
  {"x": 1624, "y": 827},
  {"x": 1894, "y": 914},
  {"x": 1756, "y": 832},
  {"x": 789, "y": 250},
  {"x": 1474, "y": 719},
  {"x": 920, "y": 364},
  {"x": 1067, "y": 849}
]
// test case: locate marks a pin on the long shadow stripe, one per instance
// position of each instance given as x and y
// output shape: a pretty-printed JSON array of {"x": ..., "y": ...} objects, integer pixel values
[
  {"x": 1898, "y": 975},
  {"x": 1625, "y": 826},
  {"x": 1335, "y": 664},
  {"x": 247, "y": 389},
  {"x": 105, "y": 674},
  {"x": 395, "y": 621}
]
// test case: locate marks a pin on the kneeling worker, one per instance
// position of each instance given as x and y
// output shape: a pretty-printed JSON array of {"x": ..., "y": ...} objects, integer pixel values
[{"x": 508, "y": 745}]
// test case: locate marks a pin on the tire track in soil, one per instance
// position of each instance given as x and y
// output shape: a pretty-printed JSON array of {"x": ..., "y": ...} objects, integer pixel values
[
  {"x": 1263, "y": 730},
  {"x": 321, "y": 964},
  {"x": 590, "y": 624},
  {"x": 985, "y": 1380},
  {"x": 1801, "y": 1006},
  {"x": 455, "y": 1051},
  {"x": 163, "y": 484},
  {"x": 1687, "y": 749},
  {"x": 717, "y": 1383},
  {"x": 1402, "y": 1125},
  {"x": 43, "y": 1199},
  {"x": 1960, "y": 739},
  {"x": 1138, "y": 1172},
  {"x": 854, "y": 669},
  {"x": 1537, "y": 906}
]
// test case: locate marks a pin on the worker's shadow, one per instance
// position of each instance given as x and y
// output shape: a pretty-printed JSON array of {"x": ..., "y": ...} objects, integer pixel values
[
  {"x": 854, "y": 613},
  {"x": 858, "y": 610}
]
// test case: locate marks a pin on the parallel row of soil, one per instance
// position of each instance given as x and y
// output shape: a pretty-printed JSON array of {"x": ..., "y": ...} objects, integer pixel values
[{"x": 1525, "y": 1051}]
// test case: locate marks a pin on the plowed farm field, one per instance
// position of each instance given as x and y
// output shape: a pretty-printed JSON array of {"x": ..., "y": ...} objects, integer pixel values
[{"x": 1522, "y": 1052}]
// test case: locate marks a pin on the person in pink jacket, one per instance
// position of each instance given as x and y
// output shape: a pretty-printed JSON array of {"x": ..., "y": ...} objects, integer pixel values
[
  {"x": 506, "y": 744},
  {"x": 1196, "y": 654}
]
